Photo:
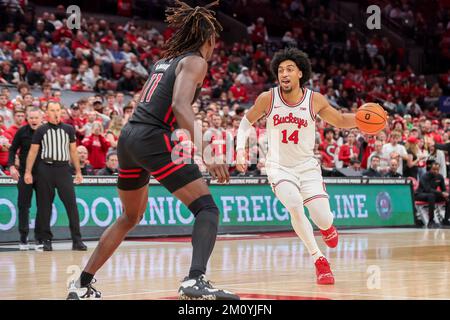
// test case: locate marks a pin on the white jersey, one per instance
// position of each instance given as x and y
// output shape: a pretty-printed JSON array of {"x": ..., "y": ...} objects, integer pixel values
[{"x": 291, "y": 129}]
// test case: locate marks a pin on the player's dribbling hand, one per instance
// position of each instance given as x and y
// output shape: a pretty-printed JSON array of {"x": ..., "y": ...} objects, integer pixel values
[
  {"x": 241, "y": 161},
  {"x": 219, "y": 172}
]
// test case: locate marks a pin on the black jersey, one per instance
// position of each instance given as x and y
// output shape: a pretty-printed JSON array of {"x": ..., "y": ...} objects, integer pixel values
[{"x": 155, "y": 102}]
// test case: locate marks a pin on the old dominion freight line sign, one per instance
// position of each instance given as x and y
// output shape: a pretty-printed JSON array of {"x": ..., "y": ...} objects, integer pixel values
[{"x": 242, "y": 207}]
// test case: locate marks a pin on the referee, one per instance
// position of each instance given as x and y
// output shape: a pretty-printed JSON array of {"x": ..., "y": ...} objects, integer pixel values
[
  {"x": 22, "y": 142},
  {"x": 55, "y": 141}
]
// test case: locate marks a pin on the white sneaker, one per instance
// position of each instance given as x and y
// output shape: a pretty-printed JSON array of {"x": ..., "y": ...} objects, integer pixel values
[
  {"x": 201, "y": 289},
  {"x": 39, "y": 246},
  {"x": 83, "y": 293},
  {"x": 24, "y": 246}
]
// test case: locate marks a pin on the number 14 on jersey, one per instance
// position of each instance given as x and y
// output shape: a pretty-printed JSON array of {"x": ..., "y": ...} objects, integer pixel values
[{"x": 293, "y": 137}]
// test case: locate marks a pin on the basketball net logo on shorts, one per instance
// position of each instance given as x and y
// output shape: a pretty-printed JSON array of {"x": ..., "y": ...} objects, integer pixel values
[{"x": 290, "y": 119}]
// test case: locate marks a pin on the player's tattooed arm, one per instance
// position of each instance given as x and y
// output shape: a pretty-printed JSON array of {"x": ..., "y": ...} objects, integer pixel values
[
  {"x": 191, "y": 73},
  {"x": 329, "y": 114}
]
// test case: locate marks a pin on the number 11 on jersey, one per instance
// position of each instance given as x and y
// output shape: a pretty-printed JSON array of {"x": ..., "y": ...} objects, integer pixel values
[{"x": 149, "y": 87}]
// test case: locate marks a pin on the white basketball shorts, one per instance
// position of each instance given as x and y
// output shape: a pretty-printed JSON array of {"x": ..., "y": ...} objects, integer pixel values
[{"x": 306, "y": 176}]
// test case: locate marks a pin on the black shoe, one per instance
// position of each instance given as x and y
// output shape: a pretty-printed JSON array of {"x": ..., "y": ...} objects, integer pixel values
[
  {"x": 48, "y": 245},
  {"x": 433, "y": 225},
  {"x": 83, "y": 293},
  {"x": 201, "y": 289},
  {"x": 79, "y": 246}
]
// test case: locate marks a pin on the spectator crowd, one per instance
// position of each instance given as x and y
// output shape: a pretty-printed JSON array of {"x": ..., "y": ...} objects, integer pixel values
[{"x": 111, "y": 60}]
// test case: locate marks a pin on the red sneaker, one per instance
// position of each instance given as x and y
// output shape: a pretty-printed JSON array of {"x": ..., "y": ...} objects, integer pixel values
[
  {"x": 330, "y": 237},
  {"x": 323, "y": 272}
]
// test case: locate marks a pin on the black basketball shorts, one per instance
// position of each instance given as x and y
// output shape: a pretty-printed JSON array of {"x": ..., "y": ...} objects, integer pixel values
[{"x": 145, "y": 150}]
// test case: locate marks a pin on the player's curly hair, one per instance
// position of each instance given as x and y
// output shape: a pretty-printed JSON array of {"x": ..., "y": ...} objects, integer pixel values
[
  {"x": 193, "y": 27},
  {"x": 299, "y": 57}
]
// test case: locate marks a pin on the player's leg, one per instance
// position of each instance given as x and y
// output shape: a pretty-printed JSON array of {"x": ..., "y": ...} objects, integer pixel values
[
  {"x": 197, "y": 197},
  {"x": 288, "y": 192},
  {"x": 290, "y": 196},
  {"x": 134, "y": 203},
  {"x": 316, "y": 200},
  {"x": 181, "y": 177},
  {"x": 133, "y": 192},
  {"x": 320, "y": 213},
  {"x": 187, "y": 184},
  {"x": 285, "y": 185}
]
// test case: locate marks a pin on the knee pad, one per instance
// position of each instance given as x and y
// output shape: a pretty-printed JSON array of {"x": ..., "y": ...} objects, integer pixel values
[
  {"x": 204, "y": 203},
  {"x": 289, "y": 194}
]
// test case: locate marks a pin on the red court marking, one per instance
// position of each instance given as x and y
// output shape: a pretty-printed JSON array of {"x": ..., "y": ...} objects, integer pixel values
[
  {"x": 256, "y": 296},
  {"x": 266, "y": 235}
]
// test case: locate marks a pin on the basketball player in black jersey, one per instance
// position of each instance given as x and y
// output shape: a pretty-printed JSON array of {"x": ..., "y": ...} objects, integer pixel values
[{"x": 145, "y": 148}]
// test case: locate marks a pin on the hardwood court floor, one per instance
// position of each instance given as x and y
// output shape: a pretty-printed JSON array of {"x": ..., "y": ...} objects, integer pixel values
[{"x": 368, "y": 264}]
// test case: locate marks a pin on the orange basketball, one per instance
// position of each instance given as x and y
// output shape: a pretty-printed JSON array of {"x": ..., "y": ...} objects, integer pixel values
[{"x": 371, "y": 118}]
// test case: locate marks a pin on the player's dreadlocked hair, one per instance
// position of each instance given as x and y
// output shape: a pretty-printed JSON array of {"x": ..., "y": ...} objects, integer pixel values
[
  {"x": 299, "y": 57},
  {"x": 193, "y": 27}
]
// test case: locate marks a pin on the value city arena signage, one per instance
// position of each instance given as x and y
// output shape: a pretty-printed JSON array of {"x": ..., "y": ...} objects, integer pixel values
[{"x": 240, "y": 204}]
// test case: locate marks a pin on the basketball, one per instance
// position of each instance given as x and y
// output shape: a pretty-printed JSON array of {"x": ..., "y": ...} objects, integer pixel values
[{"x": 371, "y": 118}]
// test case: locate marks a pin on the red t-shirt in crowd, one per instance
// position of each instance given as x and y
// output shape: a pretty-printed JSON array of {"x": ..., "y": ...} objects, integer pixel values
[
  {"x": 11, "y": 132},
  {"x": 435, "y": 136},
  {"x": 97, "y": 147},
  {"x": 346, "y": 152},
  {"x": 10, "y": 105},
  {"x": 259, "y": 34},
  {"x": 131, "y": 37},
  {"x": 83, "y": 44},
  {"x": 239, "y": 92}
]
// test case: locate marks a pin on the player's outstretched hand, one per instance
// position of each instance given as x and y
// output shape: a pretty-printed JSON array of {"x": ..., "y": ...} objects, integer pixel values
[
  {"x": 241, "y": 161},
  {"x": 219, "y": 172}
]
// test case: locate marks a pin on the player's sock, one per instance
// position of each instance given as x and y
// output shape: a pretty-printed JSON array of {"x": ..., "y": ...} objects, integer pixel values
[
  {"x": 85, "y": 278},
  {"x": 316, "y": 255},
  {"x": 204, "y": 233}
]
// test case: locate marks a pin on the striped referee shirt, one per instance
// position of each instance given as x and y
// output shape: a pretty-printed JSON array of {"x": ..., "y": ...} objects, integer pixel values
[{"x": 54, "y": 141}]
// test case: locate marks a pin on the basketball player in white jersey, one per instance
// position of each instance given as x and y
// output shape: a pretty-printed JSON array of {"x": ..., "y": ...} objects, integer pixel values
[{"x": 293, "y": 172}]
